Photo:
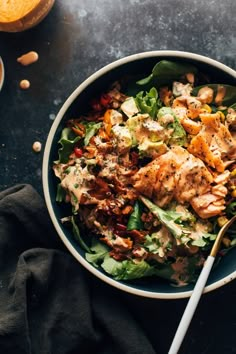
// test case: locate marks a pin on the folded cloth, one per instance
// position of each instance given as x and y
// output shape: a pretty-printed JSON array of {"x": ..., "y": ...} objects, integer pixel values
[{"x": 48, "y": 302}]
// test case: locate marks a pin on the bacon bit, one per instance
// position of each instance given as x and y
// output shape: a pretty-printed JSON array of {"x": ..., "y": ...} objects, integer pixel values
[
  {"x": 99, "y": 195},
  {"x": 134, "y": 158},
  {"x": 127, "y": 210},
  {"x": 116, "y": 210},
  {"x": 120, "y": 233},
  {"x": 102, "y": 184},
  {"x": 119, "y": 187},
  {"x": 79, "y": 129},
  {"x": 137, "y": 235},
  {"x": 92, "y": 141},
  {"x": 118, "y": 256}
]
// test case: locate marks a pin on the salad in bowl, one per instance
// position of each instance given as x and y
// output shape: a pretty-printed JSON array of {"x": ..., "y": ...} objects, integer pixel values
[{"x": 145, "y": 170}]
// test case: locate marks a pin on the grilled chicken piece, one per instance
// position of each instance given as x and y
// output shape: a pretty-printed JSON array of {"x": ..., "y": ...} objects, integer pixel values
[
  {"x": 145, "y": 179},
  {"x": 208, "y": 205},
  {"x": 175, "y": 174},
  {"x": 191, "y": 104},
  {"x": 213, "y": 203},
  {"x": 214, "y": 143}
]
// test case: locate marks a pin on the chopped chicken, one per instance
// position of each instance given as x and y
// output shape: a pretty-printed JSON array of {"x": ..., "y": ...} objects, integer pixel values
[
  {"x": 214, "y": 143},
  {"x": 191, "y": 104},
  {"x": 208, "y": 205},
  {"x": 221, "y": 91},
  {"x": 205, "y": 95},
  {"x": 175, "y": 174}
]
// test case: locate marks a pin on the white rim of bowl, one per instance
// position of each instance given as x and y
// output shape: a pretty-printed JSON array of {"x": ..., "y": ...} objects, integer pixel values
[
  {"x": 3, "y": 74},
  {"x": 62, "y": 111}
]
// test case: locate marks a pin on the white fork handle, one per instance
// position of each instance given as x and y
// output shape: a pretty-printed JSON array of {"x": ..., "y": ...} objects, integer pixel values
[{"x": 191, "y": 306}]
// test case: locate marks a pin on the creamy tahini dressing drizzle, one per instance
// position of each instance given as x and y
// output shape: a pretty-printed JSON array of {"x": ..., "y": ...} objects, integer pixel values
[
  {"x": 24, "y": 84},
  {"x": 76, "y": 182},
  {"x": 28, "y": 58},
  {"x": 37, "y": 146}
]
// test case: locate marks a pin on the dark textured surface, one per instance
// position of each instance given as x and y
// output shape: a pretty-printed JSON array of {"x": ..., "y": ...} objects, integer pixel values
[
  {"x": 76, "y": 39},
  {"x": 79, "y": 37}
]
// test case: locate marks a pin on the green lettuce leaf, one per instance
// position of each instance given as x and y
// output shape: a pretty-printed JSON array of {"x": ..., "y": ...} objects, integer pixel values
[
  {"x": 91, "y": 130},
  {"x": 152, "y": 244},
  {"x": 61, "y": 193},
  {"x": 167, "y": 218},
  {"x": 204, "y": 240},
  {"x": 135, "y": 222},
  {"x": 148, "y": 102},
  {"x": 77, "y": 236},
  {"x": 179, "y": 136},
  {"x": 130, "y": 270},
  {"x": 166, "y": 71},
  {"x": 127, "y": 269},
  {"x": 231, "y": 209},
  {"x": 97, "y": 253},
  {"x": 67, "y": 141}
]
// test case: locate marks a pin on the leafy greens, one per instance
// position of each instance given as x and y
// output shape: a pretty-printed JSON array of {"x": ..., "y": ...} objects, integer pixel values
[{"x": 165, "y": 72}]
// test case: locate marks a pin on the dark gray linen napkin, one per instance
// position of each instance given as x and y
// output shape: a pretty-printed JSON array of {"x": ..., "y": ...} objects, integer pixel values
[{"x": 48, "y": 302}]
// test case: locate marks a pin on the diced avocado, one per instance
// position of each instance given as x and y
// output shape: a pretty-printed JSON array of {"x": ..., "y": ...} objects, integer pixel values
[
  {"x": 155, "y": 131},
  {"x": 152, "y": 149},
  {"x": 163, "y": 111},
  {"x": 134, "y": 124},
  {"x": 178, "y": 136}
]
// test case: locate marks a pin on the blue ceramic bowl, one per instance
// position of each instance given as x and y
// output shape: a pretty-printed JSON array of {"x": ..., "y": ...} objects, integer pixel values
[{"x": 141, "y": 63}]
